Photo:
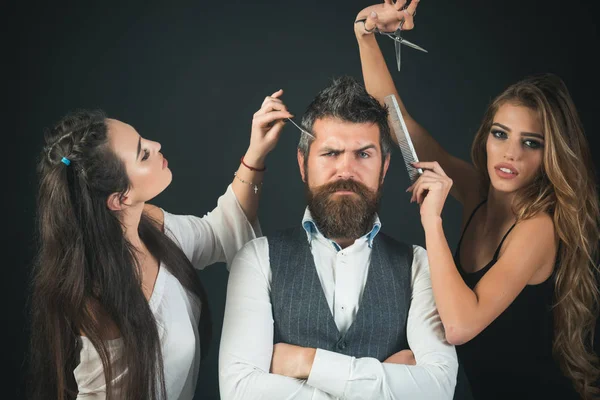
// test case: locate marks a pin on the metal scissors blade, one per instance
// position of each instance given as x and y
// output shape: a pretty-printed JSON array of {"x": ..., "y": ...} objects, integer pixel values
[
  {"x": 398, "y": 48},
  {"x": 411, "y": 44},
  {"x": 397, "y": 37},
  {"x": 301, "y": 129},
  {"x": 399, "y": 41}
]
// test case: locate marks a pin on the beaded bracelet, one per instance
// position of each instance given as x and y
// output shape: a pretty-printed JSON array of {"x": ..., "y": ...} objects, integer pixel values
[{"x": 248, "y": 183}]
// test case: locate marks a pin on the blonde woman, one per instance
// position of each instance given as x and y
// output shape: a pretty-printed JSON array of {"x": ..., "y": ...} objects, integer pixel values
[{"x": 519, "y": 297}]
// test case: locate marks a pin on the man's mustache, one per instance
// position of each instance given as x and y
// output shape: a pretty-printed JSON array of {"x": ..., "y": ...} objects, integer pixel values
[{"x": 349, "y": 185}]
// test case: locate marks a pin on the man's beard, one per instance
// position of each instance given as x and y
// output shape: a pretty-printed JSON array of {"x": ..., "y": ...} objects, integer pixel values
[{"x": 343, "y": 216}]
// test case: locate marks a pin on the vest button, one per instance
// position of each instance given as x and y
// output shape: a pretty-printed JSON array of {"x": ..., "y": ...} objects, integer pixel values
[{"x": 341, "y": 345}]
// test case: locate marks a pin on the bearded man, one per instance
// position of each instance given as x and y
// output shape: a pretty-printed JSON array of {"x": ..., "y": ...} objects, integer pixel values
[{"x": 334, "y": 308}]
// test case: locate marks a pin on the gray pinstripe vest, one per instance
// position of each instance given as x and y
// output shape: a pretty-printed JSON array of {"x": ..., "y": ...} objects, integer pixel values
[{"x": 302, "y": 316}]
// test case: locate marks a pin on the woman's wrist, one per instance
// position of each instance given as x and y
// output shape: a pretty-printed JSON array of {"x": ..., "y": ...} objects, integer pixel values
[
  {"x": 431, "y": 221},
  {"x": 254, "y": 160}
]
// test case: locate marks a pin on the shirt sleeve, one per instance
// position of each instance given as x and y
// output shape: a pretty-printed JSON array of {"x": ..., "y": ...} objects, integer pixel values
[
  {"x": 89, "y": 373},
  {"x": 246, "y": 345},
  {"x": 217, "y": 236},
  {"x": 433, "y": 376}
]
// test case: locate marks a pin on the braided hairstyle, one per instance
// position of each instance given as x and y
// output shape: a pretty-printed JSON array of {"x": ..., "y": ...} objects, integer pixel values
[{"x": 86, "y": 265}]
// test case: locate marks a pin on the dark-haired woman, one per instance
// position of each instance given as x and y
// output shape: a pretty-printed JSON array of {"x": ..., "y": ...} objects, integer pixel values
[{"x": 117, "y": 309}]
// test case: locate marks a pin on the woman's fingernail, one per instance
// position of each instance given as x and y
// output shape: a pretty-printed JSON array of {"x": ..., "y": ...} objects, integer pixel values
[{"x": 373, "y": 14}]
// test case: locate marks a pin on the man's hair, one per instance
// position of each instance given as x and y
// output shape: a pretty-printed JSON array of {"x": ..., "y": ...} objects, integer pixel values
[{"x": 347, "y": 100}]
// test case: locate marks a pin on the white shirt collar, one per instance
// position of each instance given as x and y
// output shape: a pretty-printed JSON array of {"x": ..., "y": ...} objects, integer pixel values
[{"x": 312, "y": 230}]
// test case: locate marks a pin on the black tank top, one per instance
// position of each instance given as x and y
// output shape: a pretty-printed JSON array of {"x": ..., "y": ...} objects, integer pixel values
[{"x": 512, "y": 357}]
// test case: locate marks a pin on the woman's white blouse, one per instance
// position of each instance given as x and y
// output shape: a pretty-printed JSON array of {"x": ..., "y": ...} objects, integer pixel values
[{"x": 216, "y": 237}]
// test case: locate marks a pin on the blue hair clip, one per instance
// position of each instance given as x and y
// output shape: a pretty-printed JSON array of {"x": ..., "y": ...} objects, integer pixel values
[{"x": 66, "y": 161}]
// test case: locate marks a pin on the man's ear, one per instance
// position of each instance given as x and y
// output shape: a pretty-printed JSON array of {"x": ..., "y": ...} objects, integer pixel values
[
  {"x": 301, "y": 165},
  {"x": 116, "y": 202},
  {"x": 386, "y": 164}
]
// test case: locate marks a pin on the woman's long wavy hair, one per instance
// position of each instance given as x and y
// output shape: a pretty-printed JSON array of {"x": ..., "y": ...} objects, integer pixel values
[
  {"x": 85, "y": 264},
  {"x": 566, "y": 189}
]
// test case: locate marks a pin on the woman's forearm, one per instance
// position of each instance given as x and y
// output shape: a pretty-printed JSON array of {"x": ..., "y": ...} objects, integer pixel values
[{"x": 455, "y": 301}]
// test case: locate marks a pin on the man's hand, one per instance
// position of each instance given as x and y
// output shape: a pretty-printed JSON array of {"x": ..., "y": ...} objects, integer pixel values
[
  {"x": 293, "y": 361},
  {"x": 402, "y": 357}
]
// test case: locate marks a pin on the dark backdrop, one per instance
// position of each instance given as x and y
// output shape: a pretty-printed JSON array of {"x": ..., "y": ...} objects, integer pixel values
[{"x": 191, "y": 75}]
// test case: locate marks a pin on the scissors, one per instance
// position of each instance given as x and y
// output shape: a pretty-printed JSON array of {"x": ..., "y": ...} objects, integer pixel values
[
  {"x": 399, "y": 41},
  {"x": 304, "y": 131}
]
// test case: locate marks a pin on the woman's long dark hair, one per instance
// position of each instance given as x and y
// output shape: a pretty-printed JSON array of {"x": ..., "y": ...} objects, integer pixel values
[{"x": 86, "y": 264}]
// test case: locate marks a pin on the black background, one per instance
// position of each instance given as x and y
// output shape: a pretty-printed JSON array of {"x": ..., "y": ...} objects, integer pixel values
[{"x": 191, "y": 75}]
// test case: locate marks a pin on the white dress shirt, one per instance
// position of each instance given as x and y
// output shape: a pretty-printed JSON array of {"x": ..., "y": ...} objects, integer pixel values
[
  {"x": 214, "y": 238},
  {"x": 247, "y": 337}
]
